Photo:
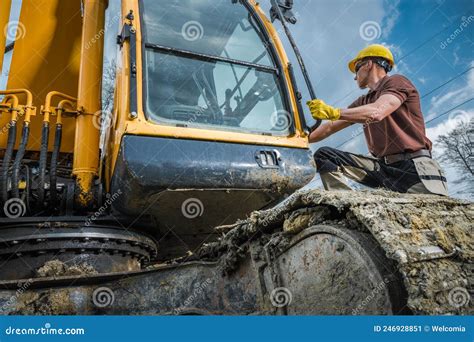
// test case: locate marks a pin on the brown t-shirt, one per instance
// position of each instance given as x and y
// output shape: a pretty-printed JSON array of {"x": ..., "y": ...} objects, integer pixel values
[{"x": 404, "y": 129}]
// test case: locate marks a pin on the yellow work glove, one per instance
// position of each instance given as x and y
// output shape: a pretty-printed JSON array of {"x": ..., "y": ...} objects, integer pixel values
[{"x": 320, "y": 110}]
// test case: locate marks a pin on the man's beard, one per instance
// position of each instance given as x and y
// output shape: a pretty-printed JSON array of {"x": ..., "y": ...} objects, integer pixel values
[{"x": 363, "y": 83}]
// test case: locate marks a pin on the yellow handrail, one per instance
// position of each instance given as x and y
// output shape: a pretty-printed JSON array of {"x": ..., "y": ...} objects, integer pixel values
[
  {"x": 29, "y": 100},
  {"x": 13, "y": 107},
  {"x": 61, "y": 108},
  {"x": 47, "y": 103}
]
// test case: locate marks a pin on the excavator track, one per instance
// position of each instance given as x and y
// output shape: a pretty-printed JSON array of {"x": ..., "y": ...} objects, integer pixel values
[{"x": 427, "y": 239}]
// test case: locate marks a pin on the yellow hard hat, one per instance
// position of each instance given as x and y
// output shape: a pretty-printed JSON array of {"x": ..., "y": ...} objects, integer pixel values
[{"x": 374, "y": 50}]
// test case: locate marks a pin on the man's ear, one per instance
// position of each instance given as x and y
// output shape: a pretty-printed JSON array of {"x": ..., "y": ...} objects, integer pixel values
[{"x": 371, "y": 64}]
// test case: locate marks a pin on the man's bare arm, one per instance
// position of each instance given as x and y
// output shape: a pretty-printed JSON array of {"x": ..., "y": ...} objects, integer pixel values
[
  {"x": 327, "y": 129},
  {"x": 372, "y": 112}
]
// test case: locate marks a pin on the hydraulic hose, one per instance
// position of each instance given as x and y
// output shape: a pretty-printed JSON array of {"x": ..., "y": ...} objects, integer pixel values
[
  {"x": 28, "y": 111},
  {"x": 7, "y": 159},
  {"x": 54, "y": 161},
  {"x": 42, "y": 162},
  {"x": 18, "y": 158},
  {"x": 47, "y": 111},
  {"x": 57, "y": 148}
]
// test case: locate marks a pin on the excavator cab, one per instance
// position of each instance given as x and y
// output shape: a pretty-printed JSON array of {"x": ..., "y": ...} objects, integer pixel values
[{"x": 215, "y": 119}]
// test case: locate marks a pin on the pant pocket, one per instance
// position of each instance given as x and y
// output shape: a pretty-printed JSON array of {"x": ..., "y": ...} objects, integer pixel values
[{"x": 431, "y": 175}]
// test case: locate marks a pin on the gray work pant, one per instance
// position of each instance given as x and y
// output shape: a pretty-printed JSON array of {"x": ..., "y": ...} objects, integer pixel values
[{"x": 420, "y": 175}]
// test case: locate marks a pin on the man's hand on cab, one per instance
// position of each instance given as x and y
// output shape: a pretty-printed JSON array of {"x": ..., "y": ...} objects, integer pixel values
[{"x": 322, "y": 111}]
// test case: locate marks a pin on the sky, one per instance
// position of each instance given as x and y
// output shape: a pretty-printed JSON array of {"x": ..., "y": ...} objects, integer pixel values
[{"x": 432, "y": 42}]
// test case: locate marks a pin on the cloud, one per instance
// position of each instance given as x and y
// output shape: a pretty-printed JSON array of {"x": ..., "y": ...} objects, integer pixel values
[
  {"x": 439, "y": 101},
  {"x": 392, "y": 17},
  {"x": 455, "y": 96}
]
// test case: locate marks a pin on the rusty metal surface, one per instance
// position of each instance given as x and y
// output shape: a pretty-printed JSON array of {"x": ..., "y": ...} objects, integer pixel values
[
  {"x": 307, "y": 276},
  {"x": 193, "y": 288},
  {"x": 330, "y": 270},
  {"x": 27, "y": 250}
]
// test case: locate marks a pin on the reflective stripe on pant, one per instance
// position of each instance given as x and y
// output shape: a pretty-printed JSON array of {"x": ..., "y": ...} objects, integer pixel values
[{"x": 333, "y": 165}]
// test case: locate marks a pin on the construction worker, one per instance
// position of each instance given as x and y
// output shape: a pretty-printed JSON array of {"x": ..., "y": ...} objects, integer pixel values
[{"x": 394, "y": 129}]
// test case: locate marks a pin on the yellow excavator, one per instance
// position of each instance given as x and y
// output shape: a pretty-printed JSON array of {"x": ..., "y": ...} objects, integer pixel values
[{"x": 184, "y": 199}]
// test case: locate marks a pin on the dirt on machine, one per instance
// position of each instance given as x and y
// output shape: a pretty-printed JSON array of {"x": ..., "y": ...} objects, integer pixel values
[{"x": 185, "y": 198}]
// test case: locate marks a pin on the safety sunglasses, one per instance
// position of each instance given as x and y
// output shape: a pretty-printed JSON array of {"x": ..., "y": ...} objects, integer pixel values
[{"x": 360, "y": 65}]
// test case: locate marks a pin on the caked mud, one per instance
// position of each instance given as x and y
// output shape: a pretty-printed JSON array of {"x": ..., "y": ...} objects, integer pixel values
[{"x": 429, "y": 238}]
